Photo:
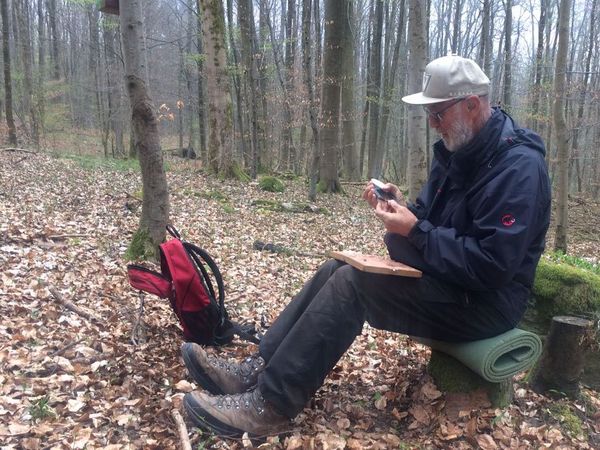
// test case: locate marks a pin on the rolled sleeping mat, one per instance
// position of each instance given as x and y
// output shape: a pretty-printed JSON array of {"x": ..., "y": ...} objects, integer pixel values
[{"x": 497, "y": 358}]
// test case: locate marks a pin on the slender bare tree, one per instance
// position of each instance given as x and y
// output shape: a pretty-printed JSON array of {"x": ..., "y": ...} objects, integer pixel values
[
  {"x": 560, "y": 241},
  {"x": 8, "y": 102},
  {"x": 417, "y": 161},
  {"x": 155, "y": 202}
]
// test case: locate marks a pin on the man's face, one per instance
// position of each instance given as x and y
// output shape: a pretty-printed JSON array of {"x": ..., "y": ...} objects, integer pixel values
[{"x": 450, "y": 121}]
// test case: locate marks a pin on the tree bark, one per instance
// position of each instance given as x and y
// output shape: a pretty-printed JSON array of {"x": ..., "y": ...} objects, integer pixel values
[
  {"x": 576, "y": 152},
  {"x": 250, "y": 70},
  {"x": 22, "y": 11},
  {"x": 561, "y": 364},
  {"x": 8, "y": 103},
  {"x": 52, "y": 17},
  {"x": 417, "y": 163},
  {"x": 220, "y": 143},
  {"x": 237, "y": 88},
  {"x": 560, "y": 240},
  {"x": 201, "y": 93},
  {"x": 375, "y": 163},
  {"x": 312, "y": 107},
  {"x": 507, "y": 91},
  {"x": 155, "y": 202},
  {"x": 348, "y": 68},
  {"x": 329, "y": 143}
]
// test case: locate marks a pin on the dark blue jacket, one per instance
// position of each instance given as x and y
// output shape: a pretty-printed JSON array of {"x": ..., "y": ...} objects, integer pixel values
[{"x": 483, "y": 215}]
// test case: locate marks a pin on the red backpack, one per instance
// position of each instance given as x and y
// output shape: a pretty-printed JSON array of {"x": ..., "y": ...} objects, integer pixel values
[{"x": 185, "y": 281}]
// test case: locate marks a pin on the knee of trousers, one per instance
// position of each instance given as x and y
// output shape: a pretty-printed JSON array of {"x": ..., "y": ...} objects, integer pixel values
[{"x": 349, "y": 284}]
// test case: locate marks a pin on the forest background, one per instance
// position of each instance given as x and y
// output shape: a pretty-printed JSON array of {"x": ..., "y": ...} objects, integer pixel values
[{"x": 305, "y": 95}]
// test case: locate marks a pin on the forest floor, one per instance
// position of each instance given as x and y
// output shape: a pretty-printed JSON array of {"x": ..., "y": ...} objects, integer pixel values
[{"x": 69, "y": 381}]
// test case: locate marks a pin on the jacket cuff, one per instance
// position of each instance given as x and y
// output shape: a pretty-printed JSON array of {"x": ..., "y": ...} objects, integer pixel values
[{"x": 418, "y": 233}]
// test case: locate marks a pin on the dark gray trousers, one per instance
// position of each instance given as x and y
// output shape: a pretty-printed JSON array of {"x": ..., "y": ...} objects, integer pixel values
[{"x": 321, "y": 322}]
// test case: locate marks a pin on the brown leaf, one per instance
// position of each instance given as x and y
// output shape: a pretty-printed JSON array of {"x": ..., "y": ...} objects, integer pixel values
[{"x": 486, "y": 442}]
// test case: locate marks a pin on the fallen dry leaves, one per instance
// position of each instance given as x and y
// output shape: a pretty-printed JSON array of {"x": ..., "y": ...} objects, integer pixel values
[{"x": 70, "y": 382}]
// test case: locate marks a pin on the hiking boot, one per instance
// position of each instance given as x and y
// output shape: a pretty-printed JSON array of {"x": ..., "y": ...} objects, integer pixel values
[
  {"x": 232, "y": 415},
  {"x": 219, "y": 376}
]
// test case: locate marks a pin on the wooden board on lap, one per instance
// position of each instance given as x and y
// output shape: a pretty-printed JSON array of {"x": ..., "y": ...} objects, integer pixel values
[{"x": 376, "y": 264}]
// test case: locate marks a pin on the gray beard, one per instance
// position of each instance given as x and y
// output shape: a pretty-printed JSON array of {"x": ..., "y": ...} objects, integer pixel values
[{"x": 458, "y": 136}]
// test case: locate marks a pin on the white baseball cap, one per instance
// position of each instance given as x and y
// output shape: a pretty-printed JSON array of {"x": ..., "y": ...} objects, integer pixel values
[{"x": 450, "y": 77}]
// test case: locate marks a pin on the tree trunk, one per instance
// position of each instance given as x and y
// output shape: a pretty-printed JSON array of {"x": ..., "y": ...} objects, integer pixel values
[
  {"x": 220, "y": 143},
  {"x": 348, "y": 67},
  {"x": 455, "y": 45},
  {"x": 561, "y": 364},
  {"x": 367, "y": 70},
  {"x": 484, "y": 45},
  {"x": 312, "y": 108},
  {"x": 115, "y": 113},
  {"x": 417, "y": 163},
  {"x": 576, "y": 152},
  {"x": 155, "y": 203},
  {"x": 374, "y": 93},
  {"x": 22, "y": 11},
  {"x": 329, "y": 143},
  {"x": 237, "y": 87},
  {"x": 8, "y": 103},
  {"x": 539, "y": 60},
  {"x": 201, "y": 93},
  {"x": 562, "y": 143},
  {"x": 507, "y": 92},
  {"x": 250, "y": 69},
  {"x": 390, "y": 79},
  {"x": 52, "y": 17}
]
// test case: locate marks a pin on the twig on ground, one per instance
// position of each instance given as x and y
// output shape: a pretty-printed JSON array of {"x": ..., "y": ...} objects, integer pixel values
[
  {"x": 58, "y": 237},
  {"x": 182, "y": 430},
  {"x": 60, "y": 351},
  {"x": 22, "y": 150},
  {"x": 137, "y": 331},
  {"x": 72, "y": 307}
]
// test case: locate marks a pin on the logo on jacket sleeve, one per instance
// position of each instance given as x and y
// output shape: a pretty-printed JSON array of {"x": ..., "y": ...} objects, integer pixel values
[{"x": 508, "y": 220}]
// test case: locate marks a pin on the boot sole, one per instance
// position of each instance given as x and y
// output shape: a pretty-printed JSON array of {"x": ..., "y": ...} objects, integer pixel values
[
  {"x": 202, "y": 419},
  {"x": 198, "y": 374}
]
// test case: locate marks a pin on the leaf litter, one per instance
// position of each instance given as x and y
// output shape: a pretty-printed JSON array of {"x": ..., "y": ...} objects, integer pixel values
[{"x": 70, "y": 382}]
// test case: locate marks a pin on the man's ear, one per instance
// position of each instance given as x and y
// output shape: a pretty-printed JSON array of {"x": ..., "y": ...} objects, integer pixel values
[{"x": 473, "y": 102}]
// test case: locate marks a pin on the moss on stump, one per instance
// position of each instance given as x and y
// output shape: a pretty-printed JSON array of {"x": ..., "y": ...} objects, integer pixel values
[
  {"x": 452, "y": 376},
  {"x": 562, "y": 289}
]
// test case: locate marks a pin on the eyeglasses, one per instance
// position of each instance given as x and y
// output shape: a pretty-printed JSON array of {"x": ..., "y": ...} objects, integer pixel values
[{"x": 439, "y": 115}]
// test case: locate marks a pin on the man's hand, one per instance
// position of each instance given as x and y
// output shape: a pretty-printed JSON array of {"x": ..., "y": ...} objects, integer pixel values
[
  {"x": 395, "y": 217},
  {"x": 371, "y": 198}
]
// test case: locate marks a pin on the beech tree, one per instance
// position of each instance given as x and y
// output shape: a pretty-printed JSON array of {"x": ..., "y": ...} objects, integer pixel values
[
  {"x": 560, "y": 242},
  {"x": 8, "y": 101},
  {"x": 155, "y": 202}
]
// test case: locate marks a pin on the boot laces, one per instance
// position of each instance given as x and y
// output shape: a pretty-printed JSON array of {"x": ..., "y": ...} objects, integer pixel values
[
  {"x": 247, "y": 401},
  {"x": 247, "y": 367}
]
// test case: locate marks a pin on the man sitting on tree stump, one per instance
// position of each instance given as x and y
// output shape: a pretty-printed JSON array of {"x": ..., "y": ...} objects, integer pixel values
[{"x": 476, "y": 231}]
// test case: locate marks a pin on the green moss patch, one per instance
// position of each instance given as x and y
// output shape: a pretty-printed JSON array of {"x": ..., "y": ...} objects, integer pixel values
[
  {"x": 563, "y": 289},
  {"x": 141, "y": 246},
  {"x": 271, "y": 184}
]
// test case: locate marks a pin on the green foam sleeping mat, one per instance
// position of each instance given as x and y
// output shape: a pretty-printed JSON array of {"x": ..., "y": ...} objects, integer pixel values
[{"x": 497, "y": 358}]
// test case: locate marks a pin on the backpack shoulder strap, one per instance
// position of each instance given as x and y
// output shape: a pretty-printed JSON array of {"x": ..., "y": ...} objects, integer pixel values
[{"x": 200, "y": 256}]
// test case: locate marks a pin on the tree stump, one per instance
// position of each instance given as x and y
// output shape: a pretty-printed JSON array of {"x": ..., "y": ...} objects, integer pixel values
[
  {"x": 464, "y": 387},
  {"x": 561, "y": 365}
]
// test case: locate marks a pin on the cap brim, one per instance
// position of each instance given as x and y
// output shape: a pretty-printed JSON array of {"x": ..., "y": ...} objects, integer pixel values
[{"x": 420, "y": 99}]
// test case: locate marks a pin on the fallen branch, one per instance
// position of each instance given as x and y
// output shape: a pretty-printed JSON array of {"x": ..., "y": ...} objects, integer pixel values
[
  {"x": 182, "y": 430},
  {"x": 72, "y": 307},
  {"x": 59, "y": 237},
  {"x": 280, "y": 249},
  {"x": 22, "y": 150},
  {"x": 60, "y": 351}
]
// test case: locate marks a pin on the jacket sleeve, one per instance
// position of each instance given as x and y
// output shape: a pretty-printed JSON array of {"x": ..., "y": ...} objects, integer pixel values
[{"x": 508, "y": 213}]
